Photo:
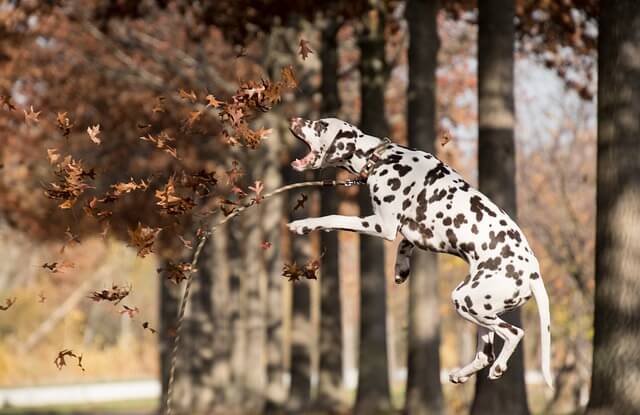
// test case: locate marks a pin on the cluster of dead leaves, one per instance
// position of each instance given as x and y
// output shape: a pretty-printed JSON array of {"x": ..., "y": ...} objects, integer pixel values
[
  {"x": 60, "y": 358},
  {"x": 170, "y": 202},
  {"x": 177, "y": 273},
  {"x": 143, "y": 238},
  {"x": 71, "y": 180},
  {"x": 115, "y": 294},
  {"x": 252, "y": 96},
  {"x": 293, "y": 272}
]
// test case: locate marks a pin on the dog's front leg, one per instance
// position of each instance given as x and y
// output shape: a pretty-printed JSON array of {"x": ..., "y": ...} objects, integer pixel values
[{"x": 369, "y": 225}]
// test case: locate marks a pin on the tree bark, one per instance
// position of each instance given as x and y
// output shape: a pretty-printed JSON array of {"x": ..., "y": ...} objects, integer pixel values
[
  {"x": 271, "y": 227},
  {"x": 496, "y": 177},
  {"x": 615, "y": 386},
  {"x": 330, "y": 396},
  {"x": 373, "y": 378},
  {"x": 301, "y": 326},
  {"x": 424, "y": 390}
]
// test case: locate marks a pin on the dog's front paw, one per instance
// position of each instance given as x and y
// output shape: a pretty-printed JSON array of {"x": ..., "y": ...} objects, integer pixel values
[
  {"x": 455, "y": 377},
  {"x": 301, "y": 227}
]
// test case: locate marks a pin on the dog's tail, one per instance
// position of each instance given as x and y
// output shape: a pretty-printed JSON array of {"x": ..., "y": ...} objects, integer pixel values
[{"x": 542, "y": 301}]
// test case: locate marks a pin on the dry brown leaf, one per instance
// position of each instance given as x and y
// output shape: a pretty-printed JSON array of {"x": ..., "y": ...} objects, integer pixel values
[
  {"x": 304, "y": 49},
  {"x": 93, "y": 133}
]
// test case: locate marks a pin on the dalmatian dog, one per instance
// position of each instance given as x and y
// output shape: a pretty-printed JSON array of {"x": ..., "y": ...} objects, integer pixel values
[{"x": 434, "y": 208}]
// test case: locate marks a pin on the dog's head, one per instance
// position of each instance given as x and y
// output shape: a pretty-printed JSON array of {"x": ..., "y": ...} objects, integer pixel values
[{"x": 331, "y": 142}]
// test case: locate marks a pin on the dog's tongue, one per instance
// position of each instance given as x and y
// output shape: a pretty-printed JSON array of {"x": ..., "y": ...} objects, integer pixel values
[{"x": 302, "y": 163}]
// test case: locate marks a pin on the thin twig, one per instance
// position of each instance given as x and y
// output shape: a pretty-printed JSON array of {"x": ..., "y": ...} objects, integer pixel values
[{"x": 196, "y": 255}]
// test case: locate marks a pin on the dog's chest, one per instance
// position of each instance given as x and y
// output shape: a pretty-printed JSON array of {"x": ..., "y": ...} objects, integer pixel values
[{"x": 437, "y": 210}]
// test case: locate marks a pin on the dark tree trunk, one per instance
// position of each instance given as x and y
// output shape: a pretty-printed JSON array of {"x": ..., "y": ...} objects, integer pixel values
[
  {"x": 615, "y": 387},
  {"x": 496, "y": 177},
  {"x": 329, "y": 396},
  {"x": 301, "y": 326},
  {"x": 424, "y": 390},
  {"x": 271, "y": 227},
  {"x": 373, "y": 378}
]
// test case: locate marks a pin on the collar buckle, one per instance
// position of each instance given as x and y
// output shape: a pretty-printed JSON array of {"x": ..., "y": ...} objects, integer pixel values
[{"x": 374, "y": 158}]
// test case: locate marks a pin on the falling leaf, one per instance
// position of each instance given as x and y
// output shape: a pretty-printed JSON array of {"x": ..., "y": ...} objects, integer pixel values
[
  {"x": 131, "y": 312},
  {"x": 159, "y": 105},
  {"x": 304, "y": 49},
  {"x": 58, "y": 267},
  {"x": 64, "y": 124},
  {"x": 147, "y": 326},
  {"x": 41, "y": 297},
  {"x": 445, "y": 138},
  {"x": 115, "y": 294},
  {"x": 31, "y": 115},
  {"x": 266, "y": 245},
  {"x": 235, "y": 173},
  {"x": 93, "y": 133},
  {"x": 212, "y": 101},
  {"x": 194, "y": 116},
  {"x": 5, "y": 101},
  {"x": 163, "y": 142},
  {"x": 300, "y": 202},
  {"x": 177, "y": 273},
  {"x": 8, "y": 302},
  {"x": 71, "y": 239},
  {"x": 60, "y": 359},
  {"x": 53, "y": 155},
  {"x": 189, "y": 96},
  {"x": 143, "y": 238}
]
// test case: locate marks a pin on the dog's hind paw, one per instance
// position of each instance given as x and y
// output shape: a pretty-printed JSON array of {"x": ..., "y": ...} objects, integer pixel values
[{"x": 497, "y": 371}]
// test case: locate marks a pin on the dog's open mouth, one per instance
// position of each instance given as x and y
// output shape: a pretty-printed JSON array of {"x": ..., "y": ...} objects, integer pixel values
[{"x": 303, "y": 163}]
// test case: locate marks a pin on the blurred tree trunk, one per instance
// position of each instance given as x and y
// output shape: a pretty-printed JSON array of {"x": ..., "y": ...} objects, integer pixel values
[
  {"x": 329, "y": 396},
  {"x": 254, "y": 287},
  {"x": 424, "y": 390},
  {"x": 301, "y": 326},
  {"x": 271, "y": 227},
  {"x": 496, "y": 177},
  {"x": 615, "y": 386},
  {"x": 373, "y": 376}
]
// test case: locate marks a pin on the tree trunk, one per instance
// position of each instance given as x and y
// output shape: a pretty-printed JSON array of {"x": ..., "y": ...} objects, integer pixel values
[
  {"x": 301, "y": 326},
  {"x": 615, "y": 386},
  {"x": 254, "y": 287},
  {"x": 424, "y": 390},
  {"x": 330, "y": 396},
  {"x": 271, "y": 227},
  {"x": 373, "y": 378},
  {"x": 496, "y": 177}
]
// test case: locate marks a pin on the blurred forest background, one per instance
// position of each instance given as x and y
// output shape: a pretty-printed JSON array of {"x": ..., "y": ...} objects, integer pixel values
[{"x": 127, "y": 127}]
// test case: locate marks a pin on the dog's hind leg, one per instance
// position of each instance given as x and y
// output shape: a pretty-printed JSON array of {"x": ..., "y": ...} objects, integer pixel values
[
  {"x": 511, "y": 336},
  {"x": 403, "y": 261},
  {"x": 484, "y": 357}
]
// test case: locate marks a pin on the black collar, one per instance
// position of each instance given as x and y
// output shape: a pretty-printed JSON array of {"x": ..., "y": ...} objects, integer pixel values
[{"x": 374, "y": 158}]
